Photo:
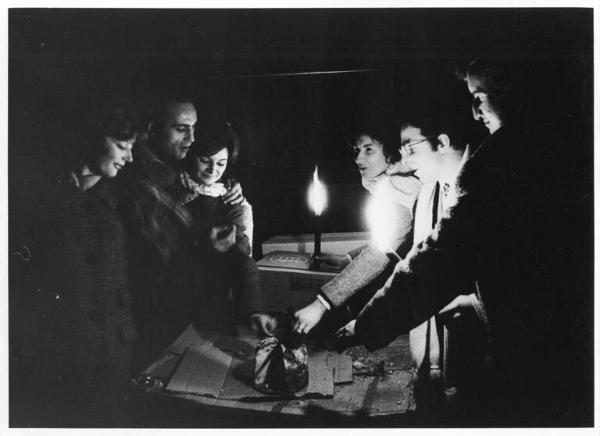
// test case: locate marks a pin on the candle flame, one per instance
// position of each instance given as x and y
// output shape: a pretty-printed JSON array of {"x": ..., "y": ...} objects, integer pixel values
[
  {"x": 380, "y": 215},
  {"x": 317, "y": 195}
]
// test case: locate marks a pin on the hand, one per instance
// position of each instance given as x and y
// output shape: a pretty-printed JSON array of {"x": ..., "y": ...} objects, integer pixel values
[
  {"x": 457, "y": 305},
  {"x": 332, "y": 262},
  {"x": 222, "y": 238},
  {"x": 346, "y": 337},
  {"x": 234, "y": 194},
  {"x": 308, "y": 317},
  {"x": 347, "y": 331},
  {"x": 263, "y": 324}
]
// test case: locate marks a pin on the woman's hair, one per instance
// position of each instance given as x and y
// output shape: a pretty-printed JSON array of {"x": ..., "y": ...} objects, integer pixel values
[
  {"x": 379, "y": 131},
  {"x": 113, "y": 116},
  {"x": 504, "y": 81},
  {"x": 212, "y": 141}
]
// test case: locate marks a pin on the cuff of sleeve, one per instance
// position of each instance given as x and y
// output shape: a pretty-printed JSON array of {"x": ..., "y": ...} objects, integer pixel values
[{"x": 323, "y": 302}]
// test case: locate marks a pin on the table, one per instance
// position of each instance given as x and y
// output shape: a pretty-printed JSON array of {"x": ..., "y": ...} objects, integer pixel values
[{"x": 211, "y": 370}]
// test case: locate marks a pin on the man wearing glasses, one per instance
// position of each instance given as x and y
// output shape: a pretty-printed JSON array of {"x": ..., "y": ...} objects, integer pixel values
[
  {"x": 496, "y": 235},
  {"x": 449, "y": 347},
  {"x": 436, "y": 149}
]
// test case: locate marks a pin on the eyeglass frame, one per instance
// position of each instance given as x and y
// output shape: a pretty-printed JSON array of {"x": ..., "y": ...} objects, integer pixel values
[{"x": 410, "y": 145}]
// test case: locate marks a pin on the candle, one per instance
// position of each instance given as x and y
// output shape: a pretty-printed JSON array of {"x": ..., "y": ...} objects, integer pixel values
[{"x": 317, "y": 198}]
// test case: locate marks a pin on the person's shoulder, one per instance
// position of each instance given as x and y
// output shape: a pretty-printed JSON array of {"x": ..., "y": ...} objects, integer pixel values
[
  {"x": 405, "y": 183},
  {"x": 399, "y": 188}
]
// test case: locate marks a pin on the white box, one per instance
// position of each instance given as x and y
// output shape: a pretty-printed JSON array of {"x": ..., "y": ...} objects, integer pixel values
[
  {"x": 337, "y": 243},
  {"x": 286, "y": 288}
]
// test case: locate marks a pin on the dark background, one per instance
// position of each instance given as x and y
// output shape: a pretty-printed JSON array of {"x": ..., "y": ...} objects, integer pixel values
[
  {"x": 243, "y": 65},
  {"x": 235, "y": 62}
]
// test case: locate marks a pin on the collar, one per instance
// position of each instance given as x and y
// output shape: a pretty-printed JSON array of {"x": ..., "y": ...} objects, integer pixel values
[
  {"x": 452, "y": 179},
  {"x": 156, "y": 169},
  {"x": 105, "y": 191},
  {"x": 194, "y": 189}
]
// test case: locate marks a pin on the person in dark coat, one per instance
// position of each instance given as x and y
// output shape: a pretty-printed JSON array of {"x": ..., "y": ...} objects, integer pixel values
[
  {"x": 95, "y": 330},
  {"x": 158, "y": 227},
  {"x": 491, "y": 236},
  {"x": 225, "y": 273}
]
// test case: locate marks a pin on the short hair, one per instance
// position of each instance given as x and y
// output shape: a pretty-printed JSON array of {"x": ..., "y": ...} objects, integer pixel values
[
  {"x": 160, "y": 104},
  {"x": 379, "y": 130},
  {"x": 115, "y": 117},
  {"x": 453, "y": 119},
  {"x": 212, "y": 141},
  {"x": 504, "y": 80},
  {"x": 112, "y": 116}
]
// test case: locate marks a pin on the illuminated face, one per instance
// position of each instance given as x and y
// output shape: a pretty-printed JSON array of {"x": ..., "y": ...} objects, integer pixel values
[
  {"x": 116, "y": 153},
  {"x": 176, "y": 134},
  {"x": 483, "y": 110},
  {"x": 209, "y": 169},
  {"x": 420, "y": 153},
  {"x": 369, "y": 157}
]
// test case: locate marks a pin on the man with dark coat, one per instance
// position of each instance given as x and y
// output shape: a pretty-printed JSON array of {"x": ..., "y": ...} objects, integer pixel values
[
  {"x": 158, "y": 227},
  {"x": 491, "y": 237}
]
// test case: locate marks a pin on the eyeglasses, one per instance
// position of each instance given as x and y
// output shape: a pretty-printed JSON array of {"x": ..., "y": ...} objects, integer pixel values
[{"x": 408, "y": 147}]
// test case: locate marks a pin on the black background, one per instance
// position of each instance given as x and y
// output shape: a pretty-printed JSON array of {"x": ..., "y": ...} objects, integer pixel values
[
  {"x": 243, "y": 65},
  {"x": 237, "y": 64}
]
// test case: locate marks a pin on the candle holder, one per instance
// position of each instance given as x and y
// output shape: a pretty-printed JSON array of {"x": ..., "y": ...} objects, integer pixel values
[{"x": 317, "y": 198}]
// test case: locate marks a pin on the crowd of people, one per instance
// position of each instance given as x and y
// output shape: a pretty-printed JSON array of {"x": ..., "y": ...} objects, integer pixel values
[{"x": 149, "y": 232}]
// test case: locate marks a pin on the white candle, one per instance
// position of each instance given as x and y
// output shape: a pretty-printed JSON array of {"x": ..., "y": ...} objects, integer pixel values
[{"x": 317, "y": 198}]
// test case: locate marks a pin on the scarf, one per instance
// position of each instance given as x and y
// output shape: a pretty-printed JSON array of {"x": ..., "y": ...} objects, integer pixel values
[{"x": 195, "y": 189}]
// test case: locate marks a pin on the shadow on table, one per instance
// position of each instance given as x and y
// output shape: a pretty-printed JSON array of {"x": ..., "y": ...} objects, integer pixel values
[{"x": 161, "y": 412}]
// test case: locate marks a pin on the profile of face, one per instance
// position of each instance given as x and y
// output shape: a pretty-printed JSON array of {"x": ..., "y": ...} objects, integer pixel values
[
  {"x": 115, "y": 154},
  {"x": 176, "y": 133},
  {"x": 369, "y": 157},
  {"x": 483, "y": 109},
  {"x": 209, "y": 169},
  {"x": 420, "y": 154}
]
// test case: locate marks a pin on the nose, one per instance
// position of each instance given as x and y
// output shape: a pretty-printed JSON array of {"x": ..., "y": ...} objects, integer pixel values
[
  {"x": 190, "y": 135},
  {"x": 129, "y": 156},
  {"x": 476, "y": 109},
  {"x": 404, "y": 153},
  {"x": 359, "y": 157}
]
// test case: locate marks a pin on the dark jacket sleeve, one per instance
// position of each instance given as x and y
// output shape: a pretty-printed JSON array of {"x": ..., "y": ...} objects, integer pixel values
[
  {"x": 434, "y": 272},
  {"x": 243, "y": 269}
]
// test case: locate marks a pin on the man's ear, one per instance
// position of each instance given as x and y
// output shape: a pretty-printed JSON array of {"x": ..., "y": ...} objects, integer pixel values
[{"x": 443, "y": 143}]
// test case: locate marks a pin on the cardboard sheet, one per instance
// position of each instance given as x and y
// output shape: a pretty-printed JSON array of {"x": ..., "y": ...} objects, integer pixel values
[
  {"x": 202, "y": 371},
  {"x": 320, "y": 375},
  {"x": 218, "y": 369},
  {"x": 342, "y": 368}
]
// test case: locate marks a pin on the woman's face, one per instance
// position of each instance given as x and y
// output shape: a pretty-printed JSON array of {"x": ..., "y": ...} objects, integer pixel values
[
  {"x": 483, "y": 109},
  {"x": 209, "y": 169},
  {"x": 116, "y": 153},
  {"x": 369, "y": 157}
]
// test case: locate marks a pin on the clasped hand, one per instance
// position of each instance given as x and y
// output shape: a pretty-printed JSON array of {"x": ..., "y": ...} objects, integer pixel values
[{"x": 222, "y": 238}]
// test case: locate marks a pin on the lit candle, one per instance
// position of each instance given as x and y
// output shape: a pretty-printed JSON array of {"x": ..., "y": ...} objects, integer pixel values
[{"x": 317, "y": 198}]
